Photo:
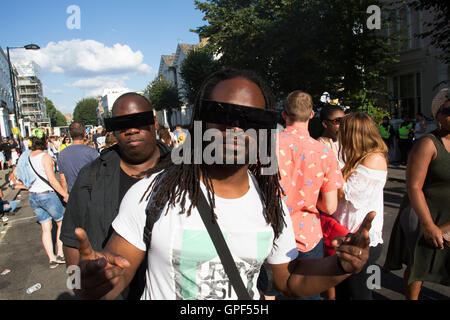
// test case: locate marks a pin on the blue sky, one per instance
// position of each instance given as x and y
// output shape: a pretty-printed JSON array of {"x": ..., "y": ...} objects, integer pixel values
[{"x": 119, "y": 43}]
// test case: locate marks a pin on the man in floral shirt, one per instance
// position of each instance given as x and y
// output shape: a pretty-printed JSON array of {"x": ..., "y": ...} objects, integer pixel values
[{"x": 310, "y": 176}]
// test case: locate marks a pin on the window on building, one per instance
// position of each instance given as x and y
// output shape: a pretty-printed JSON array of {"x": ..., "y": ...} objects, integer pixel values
[
  {"x": 416, "y": 29},
  {"x": 407, "y": 95},
  {"x": 404, "y": 20}
]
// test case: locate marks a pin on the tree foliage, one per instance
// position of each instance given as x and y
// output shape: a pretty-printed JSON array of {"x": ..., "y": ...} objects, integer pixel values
[
  {"x": 163, "y": 95},
  {"x": 198, "y": 64},
  {"x": 57, "y": 119},
  {"x": 86, "y": 111},
  {"x": 313, "y": 45}
]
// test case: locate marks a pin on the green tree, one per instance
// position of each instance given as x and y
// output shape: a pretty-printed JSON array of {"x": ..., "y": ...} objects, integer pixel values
[
  {"x": 61, "y": 120},
  {"x": 163, "y": 95},
  {"x": 313, "y": 45},
  {"x": 57, "y": 119},
  {"x": 198, "y": 64},
  {"x": 86, "y": 111}
]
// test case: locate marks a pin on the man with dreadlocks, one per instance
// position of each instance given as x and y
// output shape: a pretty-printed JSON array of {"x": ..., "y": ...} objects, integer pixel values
[{"x": 182, "y": 261}]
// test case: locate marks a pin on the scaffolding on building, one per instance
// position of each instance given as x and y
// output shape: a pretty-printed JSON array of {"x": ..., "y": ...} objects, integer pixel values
[{"x": 32, "y": 105}]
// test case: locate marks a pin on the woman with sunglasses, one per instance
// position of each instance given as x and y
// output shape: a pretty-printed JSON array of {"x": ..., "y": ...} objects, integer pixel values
[
  {"x": 66, "y": 142},
  {"x": 330, "y": 118},
  {"x": 365, "y": 174},
  {"x": 417, "y": 239}
]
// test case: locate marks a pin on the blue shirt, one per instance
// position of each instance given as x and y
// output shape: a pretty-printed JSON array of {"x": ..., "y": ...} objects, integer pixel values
[{"x": 72, "y": 159}]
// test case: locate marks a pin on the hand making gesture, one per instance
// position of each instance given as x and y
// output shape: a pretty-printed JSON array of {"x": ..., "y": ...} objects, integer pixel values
[
  {"x": 353, "y": 250},
  {"x": 100, "y": 271}
]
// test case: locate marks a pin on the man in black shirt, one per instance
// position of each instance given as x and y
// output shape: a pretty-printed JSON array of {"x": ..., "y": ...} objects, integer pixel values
[{"x": 100, "y": 186}]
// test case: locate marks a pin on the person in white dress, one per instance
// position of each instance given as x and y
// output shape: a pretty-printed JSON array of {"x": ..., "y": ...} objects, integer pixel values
[{"x": 365, "y": 174}]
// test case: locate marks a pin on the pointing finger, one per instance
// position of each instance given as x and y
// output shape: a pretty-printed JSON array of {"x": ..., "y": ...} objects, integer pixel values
[
  {"x": 84, "y": 246},
  {"x": 367, "y": 222}
]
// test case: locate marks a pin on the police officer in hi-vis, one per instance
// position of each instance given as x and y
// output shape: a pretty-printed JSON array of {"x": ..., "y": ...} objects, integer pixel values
[{"x": 405, "y": 139}]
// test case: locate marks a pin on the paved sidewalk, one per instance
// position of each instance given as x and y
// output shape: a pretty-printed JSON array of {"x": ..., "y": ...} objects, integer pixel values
[{"x": 22, "y": 253}]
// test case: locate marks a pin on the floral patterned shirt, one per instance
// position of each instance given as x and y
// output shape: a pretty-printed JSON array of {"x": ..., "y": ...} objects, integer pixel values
[{"x": 307, "y": 168}]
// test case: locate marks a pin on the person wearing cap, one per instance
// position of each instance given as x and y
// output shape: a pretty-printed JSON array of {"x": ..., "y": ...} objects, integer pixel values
[
  {"x": 100, "y": 186},
  {"x": 417, "y": 239}
]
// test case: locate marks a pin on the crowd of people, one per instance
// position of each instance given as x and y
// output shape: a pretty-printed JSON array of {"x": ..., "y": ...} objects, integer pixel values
[{"x": 136, "y": 223}]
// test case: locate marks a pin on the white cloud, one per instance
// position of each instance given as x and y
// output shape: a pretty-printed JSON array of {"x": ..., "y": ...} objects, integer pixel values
[
  {"x": 98, "y": 84},
  {"x": 83, "y": 58},
  {"x": 52, "y": 91}
]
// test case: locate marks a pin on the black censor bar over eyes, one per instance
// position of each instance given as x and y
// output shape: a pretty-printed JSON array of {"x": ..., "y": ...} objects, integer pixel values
[
  {"x": 134, "y": 120},
  {"x": 235, "y": 115}
]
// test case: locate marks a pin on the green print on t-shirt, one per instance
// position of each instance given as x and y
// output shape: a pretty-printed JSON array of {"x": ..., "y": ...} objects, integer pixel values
[{"x": 199, "y": 273}]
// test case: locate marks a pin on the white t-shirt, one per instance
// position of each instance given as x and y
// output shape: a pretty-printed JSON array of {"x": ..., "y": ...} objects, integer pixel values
[
  {"x": 39, "y": 185},
  {"x": 183, "y": 263},
  {"x": 363, "y": 193}
]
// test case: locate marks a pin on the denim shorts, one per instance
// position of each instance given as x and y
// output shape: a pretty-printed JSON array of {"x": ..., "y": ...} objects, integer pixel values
[{"x": 46, "y": 206}]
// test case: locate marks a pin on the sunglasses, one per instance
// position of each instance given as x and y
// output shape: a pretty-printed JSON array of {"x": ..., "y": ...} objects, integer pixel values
[
  {"x": 134, "y": 120},
  {"x": 336, "y": 121},
  {"x": 234, "y": 115}
]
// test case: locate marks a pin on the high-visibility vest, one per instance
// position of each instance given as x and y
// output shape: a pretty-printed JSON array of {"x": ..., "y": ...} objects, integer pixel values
[
  {"x": 385, "y": 133},
  {"x": 403, "y": 132}
]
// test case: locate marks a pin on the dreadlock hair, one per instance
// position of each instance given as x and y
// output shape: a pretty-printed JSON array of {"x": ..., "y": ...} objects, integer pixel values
[{"x": 177, "y": 181}]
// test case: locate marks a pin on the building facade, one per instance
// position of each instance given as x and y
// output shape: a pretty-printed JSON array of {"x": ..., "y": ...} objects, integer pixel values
[
  {"x": 32, "y": 110},
  {"x": 106, "y": 101},
  {"x": 7, "y": 118},
  {"x": 170, "y": 70},
  {"x": 419, "y": 75}
]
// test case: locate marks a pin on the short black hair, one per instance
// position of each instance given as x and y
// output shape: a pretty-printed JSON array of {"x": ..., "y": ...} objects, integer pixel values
[
  {"x": 130, "y": 94},
  {"x": 327, "y": 110}
]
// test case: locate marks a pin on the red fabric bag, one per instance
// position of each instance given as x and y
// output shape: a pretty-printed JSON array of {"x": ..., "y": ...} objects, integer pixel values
[{"x": 331, "y": 229}]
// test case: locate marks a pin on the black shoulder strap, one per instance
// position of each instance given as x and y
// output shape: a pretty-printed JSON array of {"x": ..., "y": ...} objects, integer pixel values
[
  {"x": 41, "y": 177},
  {"x": 222, "y": 249},
  {"x": 149, "y": 223}
]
